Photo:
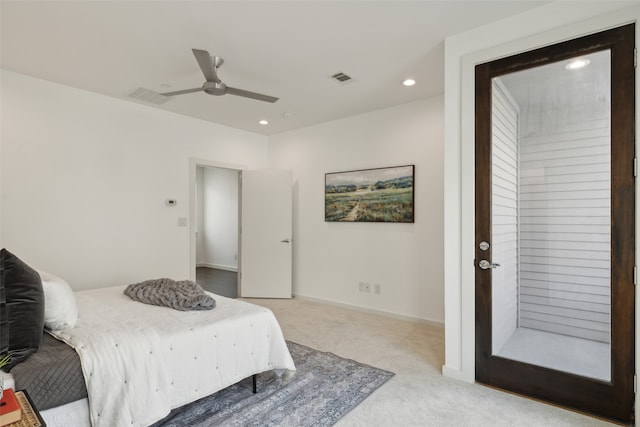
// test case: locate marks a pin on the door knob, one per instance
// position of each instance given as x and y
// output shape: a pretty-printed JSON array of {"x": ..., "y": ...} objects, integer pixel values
[{"x": 484, "y": 264}]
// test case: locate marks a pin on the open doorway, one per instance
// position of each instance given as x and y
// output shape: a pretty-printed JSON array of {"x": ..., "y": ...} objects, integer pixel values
[
  {"x": 216, "y": 229},
  {"x": 225, "y": 199}
]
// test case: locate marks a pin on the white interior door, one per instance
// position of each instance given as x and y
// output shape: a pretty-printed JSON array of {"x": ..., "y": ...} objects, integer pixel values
[{"x": 265, "y": 234}]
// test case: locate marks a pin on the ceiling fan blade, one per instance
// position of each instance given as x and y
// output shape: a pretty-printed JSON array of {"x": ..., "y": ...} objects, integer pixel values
[
  {"x": 252, "y": 95},
  {"x": 206, "y": 65},
  {"x": 182, "y": 92}
]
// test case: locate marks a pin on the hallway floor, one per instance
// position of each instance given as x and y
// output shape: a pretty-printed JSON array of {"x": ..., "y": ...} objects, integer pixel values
[{"x": 221, "y": 282}]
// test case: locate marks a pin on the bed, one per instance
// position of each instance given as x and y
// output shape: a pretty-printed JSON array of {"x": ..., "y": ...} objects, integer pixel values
[{"x": 139, "y": 361}]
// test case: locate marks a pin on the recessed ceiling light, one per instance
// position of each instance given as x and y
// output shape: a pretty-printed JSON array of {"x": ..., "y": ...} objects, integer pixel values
[
  {"x": 577, "y": 63},
  {"x": 287, "y": 115},
  {"x": 263, "y": 122},
  {"x": 409, "y": 82}
]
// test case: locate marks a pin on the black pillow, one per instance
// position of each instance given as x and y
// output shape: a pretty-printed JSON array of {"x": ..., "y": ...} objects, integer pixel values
[
  {"x": 24, "y": 307},
  {"x": 4, "y": 317}
]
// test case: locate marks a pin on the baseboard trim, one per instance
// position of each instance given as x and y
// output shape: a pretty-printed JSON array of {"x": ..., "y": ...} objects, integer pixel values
[
  {"x": 456, "y": 374},
  {"x": 371, "y": 311},
  {"x": 217, "y": 266}
]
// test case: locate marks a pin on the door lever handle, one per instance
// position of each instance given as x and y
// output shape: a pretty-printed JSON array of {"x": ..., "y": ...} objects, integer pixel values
[
  {"x": 484, "y": 264},
  {"x": 285, "y": 241}
]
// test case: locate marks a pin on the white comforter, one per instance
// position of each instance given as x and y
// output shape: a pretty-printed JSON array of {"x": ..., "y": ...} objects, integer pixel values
[{"x": 141, "y": 361}]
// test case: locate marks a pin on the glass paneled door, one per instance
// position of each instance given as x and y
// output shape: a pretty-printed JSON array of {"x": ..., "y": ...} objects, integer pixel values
[{"x": 555, "y": 223}]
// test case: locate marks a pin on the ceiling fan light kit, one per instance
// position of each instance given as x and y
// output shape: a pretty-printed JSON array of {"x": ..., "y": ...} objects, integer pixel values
[{"x": 213, "y": 85}]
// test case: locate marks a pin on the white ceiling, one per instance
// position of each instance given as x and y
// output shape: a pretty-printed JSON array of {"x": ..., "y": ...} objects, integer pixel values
[
  {"x": 286, "y": 49},
  {"x": 550, "y": 84}
]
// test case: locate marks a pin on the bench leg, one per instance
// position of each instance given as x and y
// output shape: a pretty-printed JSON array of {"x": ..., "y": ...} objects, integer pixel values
[{"x": 255, "y": 383}]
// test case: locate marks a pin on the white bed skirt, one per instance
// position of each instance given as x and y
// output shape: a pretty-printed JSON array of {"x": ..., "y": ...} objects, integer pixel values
[{"x": 74, "y": 414}]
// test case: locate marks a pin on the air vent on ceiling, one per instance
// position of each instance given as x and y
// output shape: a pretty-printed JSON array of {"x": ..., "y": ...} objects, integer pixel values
[
  {"x": 341, "y": 77},
  {"x": 148, "y": 95}
]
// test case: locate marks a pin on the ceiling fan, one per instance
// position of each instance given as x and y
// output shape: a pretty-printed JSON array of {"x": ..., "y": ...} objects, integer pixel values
[{"x": 213, "y": 85}]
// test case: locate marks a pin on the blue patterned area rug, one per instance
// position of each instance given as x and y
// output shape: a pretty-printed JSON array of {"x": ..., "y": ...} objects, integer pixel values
[{"x": 324, "y": 388}]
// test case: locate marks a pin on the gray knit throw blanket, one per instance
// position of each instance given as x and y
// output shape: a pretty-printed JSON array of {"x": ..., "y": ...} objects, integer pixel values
[{"x": 183, "y": 295}]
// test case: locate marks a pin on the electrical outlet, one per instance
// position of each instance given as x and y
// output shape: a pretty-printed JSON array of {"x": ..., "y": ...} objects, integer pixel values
[{"x": 364, "y": 287}]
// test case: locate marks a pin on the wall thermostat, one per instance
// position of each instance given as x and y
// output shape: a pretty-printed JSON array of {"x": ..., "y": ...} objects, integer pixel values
[{"x": 171, "y": 202}]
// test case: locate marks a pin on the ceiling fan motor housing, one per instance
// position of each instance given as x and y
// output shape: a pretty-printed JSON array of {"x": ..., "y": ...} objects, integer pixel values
[{"x": 215, "y": 88}]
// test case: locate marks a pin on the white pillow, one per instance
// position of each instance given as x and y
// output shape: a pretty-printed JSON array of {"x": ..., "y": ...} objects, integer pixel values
[{"x": 60, "y": 310}]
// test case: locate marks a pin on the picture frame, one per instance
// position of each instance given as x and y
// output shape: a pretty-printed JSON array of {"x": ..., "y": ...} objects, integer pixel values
[{"x": 370, "y": 195}]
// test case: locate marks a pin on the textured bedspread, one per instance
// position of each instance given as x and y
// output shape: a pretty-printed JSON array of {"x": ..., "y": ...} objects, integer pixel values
[
  {"x": 140, "y": 361},
  {"x": 52, "y": 375}
]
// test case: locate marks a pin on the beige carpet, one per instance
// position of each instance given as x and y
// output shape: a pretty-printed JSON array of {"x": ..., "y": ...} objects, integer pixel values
[{"x": 418, "y": 395}]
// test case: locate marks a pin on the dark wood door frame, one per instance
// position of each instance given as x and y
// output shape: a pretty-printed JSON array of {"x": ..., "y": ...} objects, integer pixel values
[{"x": 613, "y": 399}]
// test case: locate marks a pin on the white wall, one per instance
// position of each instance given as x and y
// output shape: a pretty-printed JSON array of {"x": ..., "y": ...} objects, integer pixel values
[
  {"x": 330, "y": 259},
  {"x": 199, "y": 218},
  {"x": 565, "y": 205},
  {"x": 219, "y": 231},
  {"x": 504, "y": 215},
  {"x": 546, "y": 25},
  {"x": 85, "y": 178}
]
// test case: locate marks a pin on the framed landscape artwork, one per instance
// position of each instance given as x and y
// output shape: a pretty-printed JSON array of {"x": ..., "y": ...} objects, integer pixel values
[{"x": 370, "y": 195}]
